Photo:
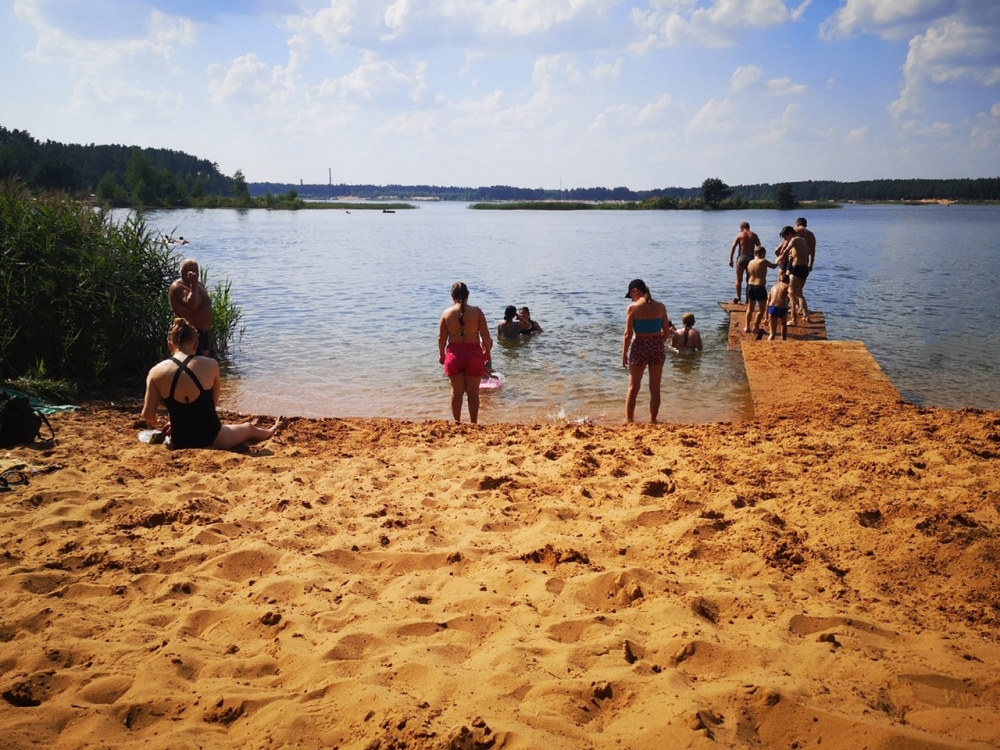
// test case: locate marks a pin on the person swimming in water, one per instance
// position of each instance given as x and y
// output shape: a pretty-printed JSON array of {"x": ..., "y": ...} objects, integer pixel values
[
  {"x": 510, "y": 327},
  {"x": 464, "y": 345},
  {"x": 528, "y": 326},
  {"x": 686, "y": 340}
]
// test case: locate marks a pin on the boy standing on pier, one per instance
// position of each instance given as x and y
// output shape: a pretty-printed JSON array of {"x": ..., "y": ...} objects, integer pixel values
[
  {"x": 757, "y": 287},
  {"x": 777, "y": 308}
]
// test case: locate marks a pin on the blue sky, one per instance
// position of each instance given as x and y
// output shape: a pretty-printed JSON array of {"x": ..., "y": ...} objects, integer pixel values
[{"x": 531, "y": 93}]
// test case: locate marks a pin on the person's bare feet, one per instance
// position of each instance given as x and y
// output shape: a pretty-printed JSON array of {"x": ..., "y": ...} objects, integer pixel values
[{"x": 279, "y": 424}]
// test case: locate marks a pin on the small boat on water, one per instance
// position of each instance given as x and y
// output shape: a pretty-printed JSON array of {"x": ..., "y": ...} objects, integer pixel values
[{"x": 388, "y": 211}]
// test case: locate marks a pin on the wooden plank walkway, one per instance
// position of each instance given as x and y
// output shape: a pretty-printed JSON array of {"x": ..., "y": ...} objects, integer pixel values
[
  {"x": 812, "y": 331},
  {"x": 805, "y": 377}
]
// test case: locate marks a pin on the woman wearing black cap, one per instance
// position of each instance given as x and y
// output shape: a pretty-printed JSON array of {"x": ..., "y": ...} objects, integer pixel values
[{"x": 646, "y": 330}]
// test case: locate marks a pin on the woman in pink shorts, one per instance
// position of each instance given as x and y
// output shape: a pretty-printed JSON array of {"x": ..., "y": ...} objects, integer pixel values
[
  {"x": 464, "y": 344},
  {"x": 646, "y": 331}
]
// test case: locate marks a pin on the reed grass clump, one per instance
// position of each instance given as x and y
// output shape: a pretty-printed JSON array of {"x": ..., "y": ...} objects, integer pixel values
[{"x": 82, "y": 298}]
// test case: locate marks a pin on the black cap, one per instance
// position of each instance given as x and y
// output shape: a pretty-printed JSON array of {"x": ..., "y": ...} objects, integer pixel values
[{"x": 636, "y": 284}]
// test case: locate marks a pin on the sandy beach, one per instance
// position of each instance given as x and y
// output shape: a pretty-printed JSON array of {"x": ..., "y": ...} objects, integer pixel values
[{"x": 823, "y": 576}]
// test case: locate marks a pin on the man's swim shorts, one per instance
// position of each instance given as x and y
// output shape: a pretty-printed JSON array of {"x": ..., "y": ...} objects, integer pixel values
[
  {"x": 778, "y": 312},
  {"x": 647, "y": 350},
  {"x": 801, "y": 271},
  {"x": 464, "y": 359},
  {"x": 756, "y": 292}
]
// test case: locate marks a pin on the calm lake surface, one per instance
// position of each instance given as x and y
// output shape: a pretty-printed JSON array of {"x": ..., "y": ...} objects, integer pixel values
[{"x": 341, "y": 309}]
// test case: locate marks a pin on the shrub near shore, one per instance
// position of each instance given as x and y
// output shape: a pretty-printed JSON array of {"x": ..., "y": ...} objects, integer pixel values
[{"x": 83, "y": 298}]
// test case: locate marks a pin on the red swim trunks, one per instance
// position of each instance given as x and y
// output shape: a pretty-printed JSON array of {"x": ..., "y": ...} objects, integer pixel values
[
  {"x": 647, "y": 350},
  {"x": 464, "y": 359}
]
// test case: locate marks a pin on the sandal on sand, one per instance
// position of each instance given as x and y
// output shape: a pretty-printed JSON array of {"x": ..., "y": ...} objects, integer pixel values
[{"x": 12, "y": 476}]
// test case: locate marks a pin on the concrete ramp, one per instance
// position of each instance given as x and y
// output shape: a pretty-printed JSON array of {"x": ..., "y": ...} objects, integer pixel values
[{"x": 805, "y": 377}]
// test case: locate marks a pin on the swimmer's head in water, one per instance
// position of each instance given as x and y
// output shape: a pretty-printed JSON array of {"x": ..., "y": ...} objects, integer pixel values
[
  {"x": 509, "y": 313},
  {"x": 688, "y": 319},
  {"x": 523, "y": 312}
]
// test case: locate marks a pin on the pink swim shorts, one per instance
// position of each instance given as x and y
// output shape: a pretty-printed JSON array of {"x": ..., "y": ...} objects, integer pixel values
[
  {"x": 647, "y": 350},
  {"x": 464, "y": 359}
]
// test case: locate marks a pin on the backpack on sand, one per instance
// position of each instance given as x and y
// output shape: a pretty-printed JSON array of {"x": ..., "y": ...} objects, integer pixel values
[{"x": 19, "y": 423}]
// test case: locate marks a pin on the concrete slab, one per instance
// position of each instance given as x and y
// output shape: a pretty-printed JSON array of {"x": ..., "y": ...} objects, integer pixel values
[{"x": 801, "y": 377}]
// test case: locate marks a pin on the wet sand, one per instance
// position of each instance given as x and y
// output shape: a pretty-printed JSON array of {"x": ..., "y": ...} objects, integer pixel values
[{"x": 823, "y": 576}]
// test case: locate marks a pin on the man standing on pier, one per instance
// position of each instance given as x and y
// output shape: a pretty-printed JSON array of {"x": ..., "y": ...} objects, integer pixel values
[
  {"x": 747, "y": 241},
  {"x": 810, "y": 238},
  {"x": 800, "y": 260},
  {"x": 189, "y": 300}
]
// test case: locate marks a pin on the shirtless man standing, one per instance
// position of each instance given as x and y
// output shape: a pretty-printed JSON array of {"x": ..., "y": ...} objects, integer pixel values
[
  {"x": 757, "y": 287},
  {"x": 746, "y": 241},
  {"x": 189, "y": 300},
  {"x": 800, "y": 259},
  {"x": 809, "y": 237}
]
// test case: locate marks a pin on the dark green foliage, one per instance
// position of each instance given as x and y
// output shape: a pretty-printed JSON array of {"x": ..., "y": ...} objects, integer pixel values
[
  {"x": 786, "y": 197},
  {"x": 168, "y": 176},
  {"x": 240, "y": 191},
  {"x": 714, "y": 191},
  {"x": 81, "y": 298}
]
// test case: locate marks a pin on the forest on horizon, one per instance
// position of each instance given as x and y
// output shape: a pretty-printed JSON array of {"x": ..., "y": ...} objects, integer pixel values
[{"x": 130, "y": 175}]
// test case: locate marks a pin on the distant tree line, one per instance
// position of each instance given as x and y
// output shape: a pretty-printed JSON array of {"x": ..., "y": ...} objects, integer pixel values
[
  {"x": 120, "y": 175},
  {"x": 981, "y": 189}
]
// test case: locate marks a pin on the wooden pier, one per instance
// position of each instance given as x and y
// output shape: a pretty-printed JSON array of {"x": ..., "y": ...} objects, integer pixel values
[
  {"x": 839, "y": 375},
  {"x": 814, "y": 330}
]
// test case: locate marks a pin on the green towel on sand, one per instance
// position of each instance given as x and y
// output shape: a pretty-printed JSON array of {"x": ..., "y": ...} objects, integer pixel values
[{"x": 38, "y": 404}]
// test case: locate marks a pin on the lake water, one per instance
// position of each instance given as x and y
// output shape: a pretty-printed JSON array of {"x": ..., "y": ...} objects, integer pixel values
[{"x": 341, "y": 309}]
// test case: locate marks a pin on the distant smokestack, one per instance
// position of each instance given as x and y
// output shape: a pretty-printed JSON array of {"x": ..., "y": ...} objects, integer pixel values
[{"x": 331, "y": 175}]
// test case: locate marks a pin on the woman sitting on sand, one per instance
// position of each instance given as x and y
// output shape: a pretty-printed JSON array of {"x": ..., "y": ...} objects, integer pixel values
[
  {"x": 191, "y": 406},
  {"x": 687, "y": 340},
  {"x": 646, "y": 329},
  {"x": 463, "y": 330}
]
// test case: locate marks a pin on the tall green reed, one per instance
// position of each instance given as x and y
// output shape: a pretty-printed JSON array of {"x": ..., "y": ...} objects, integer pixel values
[{"x": 81, "y": 297}]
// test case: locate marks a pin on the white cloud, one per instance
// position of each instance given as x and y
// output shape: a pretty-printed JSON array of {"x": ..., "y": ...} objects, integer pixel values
[
  {"x": 779, "y": 129},
  {"x": 628, "y": 116},
  {"x": 857, "y": 135},
  {"x": 425, "y": 23},
  {"x": 744, "y": 77},
  {"x": 891, "y": 19},
  {"x": 376, "y": 80},
  {"x": 948, "y": 51},
  {"x": 986, "y": 131},
  {"x": 713, "y": 118},
  {"x": 949, "y": 40},
  {"x": 785, "y": 87},
  {"x": 106, "y": 70},
  {"x": 671, "y": 23}
]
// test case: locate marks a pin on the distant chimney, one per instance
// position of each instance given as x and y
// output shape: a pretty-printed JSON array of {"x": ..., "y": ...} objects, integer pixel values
[{"x": 331, "y": 175}]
